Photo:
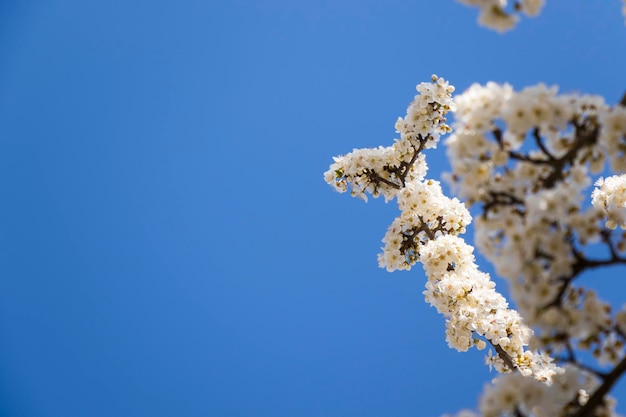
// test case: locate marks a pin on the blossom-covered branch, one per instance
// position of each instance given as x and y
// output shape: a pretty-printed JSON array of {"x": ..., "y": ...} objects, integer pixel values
[
  {"x": 427, "y": 231},
  {"x": 526, "y": 160}
]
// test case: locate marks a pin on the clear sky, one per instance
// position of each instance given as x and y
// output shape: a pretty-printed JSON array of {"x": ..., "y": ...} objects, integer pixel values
[{"x": 167, "y": 244}]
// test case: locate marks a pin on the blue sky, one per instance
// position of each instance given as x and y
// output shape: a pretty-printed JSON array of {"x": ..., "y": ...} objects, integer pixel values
[{"x": 167, "y": 244}]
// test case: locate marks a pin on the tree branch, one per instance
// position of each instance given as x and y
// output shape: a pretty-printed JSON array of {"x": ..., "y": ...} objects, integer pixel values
[
  {"x": 506, "y": 358},
  {"x": 598, "y": 396}
]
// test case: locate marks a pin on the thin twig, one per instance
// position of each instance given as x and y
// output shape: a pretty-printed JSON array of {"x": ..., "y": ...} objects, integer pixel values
[{"x": 506, "y": 358}]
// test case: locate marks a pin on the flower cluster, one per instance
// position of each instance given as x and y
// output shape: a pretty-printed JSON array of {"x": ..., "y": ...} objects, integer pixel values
[
  {"x": 527, "y": 160},
  {"x": 610, "y": 198},
  {"x": 494, "y": 14},
  {"x": 612, "y": 137},
  {"x": 385, "y": 170},
  {"x": 427, "y": 231},
  {"x": 513, "y": 394},
  {"x": 474, "y": 309},
  {"x": 425, "y": 213},
  {"x": 500, "y": 16}
]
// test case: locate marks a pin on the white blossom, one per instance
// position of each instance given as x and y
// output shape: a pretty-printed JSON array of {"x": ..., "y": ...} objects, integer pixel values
[
  {"x": 385, "y": 170},
  {"x": 609, "y": 196},
  {"x": 498, "y": 15},
  {"x": 526, "y": 159}
]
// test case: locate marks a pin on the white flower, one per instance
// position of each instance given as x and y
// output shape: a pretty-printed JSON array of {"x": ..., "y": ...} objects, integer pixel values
[
  {"x": 609, "y": 196},
  {"x": 381, "y": 171}
]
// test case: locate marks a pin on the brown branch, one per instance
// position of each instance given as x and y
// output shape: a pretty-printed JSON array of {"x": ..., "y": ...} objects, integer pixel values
[
  {"x": 541, "y": 146},
  {"x": 598, "y": 396},
  {"x": 571, "y": 358},
  {"x": 407, "y": 166},
  {"x": 401, "y": 170},
  {"x": 506, "y": 358},
  {"x": 585, "y": 136},
  {"x": 518, "y": 413},
  {"x": 501, "y": 198},
  {"x": 581, "y": 264},
  {"x": 375, "y": 178}
]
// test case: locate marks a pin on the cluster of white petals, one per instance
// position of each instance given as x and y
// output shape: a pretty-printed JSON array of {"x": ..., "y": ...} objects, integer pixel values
[
  {"x": 425, "y": 212},
  {"x": 500, "y": 15},
  {"x": 610, "y": 198},
  {"x": 475, "y": 310},
  {"x": 513, "y": 394},
  {"x": 376, "y": 171},
  {"x": 532, "y": 199},
  {"x": 385, "y": 170},
  {"x": 427, "y": 231},
  {"x": 612, "y": 137},
  {"x": 527, "y": 159}
]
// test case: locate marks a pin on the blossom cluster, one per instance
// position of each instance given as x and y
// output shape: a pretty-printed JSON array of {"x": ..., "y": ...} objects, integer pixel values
[
  {"x": 475, "y": 310},
  {"x": 425, "y": 213},
  {"x": 385, "y": 170},
  {"x": 610, "y": 197},
  {"x": 496, "y": 15},
  {"x": 515, "y": 395},
  {"x": 512, "y": 394},
  {"x": 427, "y": 231},
  {"x": 501, "y": 16},
  {"x": 527, "y": 159}
]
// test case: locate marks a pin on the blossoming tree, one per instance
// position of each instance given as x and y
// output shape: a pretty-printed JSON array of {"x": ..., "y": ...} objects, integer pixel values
[{"x": 526, "y": 161}]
